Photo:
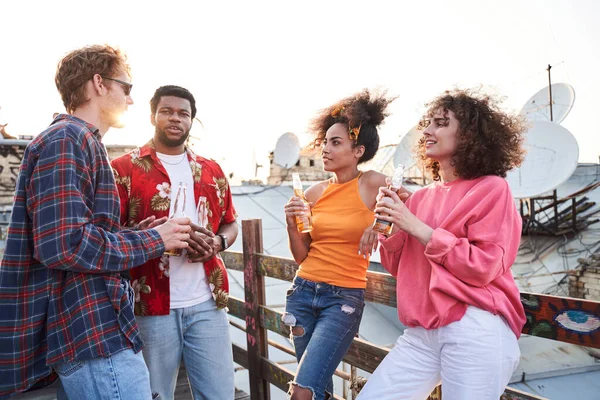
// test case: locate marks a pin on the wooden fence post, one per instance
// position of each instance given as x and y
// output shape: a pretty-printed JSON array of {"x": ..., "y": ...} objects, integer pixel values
[{"x": 254, "y": 293}]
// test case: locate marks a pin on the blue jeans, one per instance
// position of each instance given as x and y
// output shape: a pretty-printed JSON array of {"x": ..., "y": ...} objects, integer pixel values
[
  {"x": 121, "y": 376},
  {"x": 199, "y": 334},
  {"x": 324, "y": 319}
]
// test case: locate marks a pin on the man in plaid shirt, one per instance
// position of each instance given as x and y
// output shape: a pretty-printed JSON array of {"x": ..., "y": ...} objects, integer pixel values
[{"x": 66, "y": 304}]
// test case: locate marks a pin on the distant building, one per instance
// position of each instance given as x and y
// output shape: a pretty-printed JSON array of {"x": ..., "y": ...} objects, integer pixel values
[
  {"x": 309, "y": 166},
  {"x": 585, "y": 282},
  {"x": 11, "y": 155}
]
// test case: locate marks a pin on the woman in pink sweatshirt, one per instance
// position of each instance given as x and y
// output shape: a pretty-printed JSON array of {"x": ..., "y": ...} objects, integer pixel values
[{"x": 451, "y": 250}]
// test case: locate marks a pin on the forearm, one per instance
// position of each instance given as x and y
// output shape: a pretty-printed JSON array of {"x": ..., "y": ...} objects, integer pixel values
[
  {"x": 421, "y": 231},
  {"x": 230, "y": 231},
  {"x": 299, "y": 244},
  {"x": 90, "y": 249}
]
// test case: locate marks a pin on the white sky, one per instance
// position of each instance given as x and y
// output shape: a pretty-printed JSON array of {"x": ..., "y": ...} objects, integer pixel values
[{"x": 262, "y": 68}]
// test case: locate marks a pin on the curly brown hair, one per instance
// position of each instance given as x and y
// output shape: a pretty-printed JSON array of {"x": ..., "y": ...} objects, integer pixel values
[
  {"x": 489, "y": 141},
  {"x": 79, "y": 66},
  {"x": 364, "y": 111}
]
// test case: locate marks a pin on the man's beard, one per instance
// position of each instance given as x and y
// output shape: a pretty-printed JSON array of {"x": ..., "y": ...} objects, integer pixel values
[{"x": 162, "y": 137}]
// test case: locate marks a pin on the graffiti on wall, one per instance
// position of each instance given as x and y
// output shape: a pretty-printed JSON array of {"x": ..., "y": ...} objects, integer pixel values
[{"x": 10, "y": 162}]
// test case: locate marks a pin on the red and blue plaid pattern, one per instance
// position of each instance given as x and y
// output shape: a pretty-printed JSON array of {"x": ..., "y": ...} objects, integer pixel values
[{"x": 61, "y": 293}]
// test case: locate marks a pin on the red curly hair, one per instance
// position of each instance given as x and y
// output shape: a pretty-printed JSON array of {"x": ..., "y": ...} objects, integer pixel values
[{"x": 489, "y": 141}]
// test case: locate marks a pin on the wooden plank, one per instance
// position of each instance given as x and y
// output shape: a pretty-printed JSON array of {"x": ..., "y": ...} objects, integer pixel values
[
  {"x": 276, "y": 267},
  {"x": 276, "y": 374},
  {"x": 271, "y": 320},
  {"x": 236, "y": 307},
  {"x": 516, "y": 394},
  {"x": 240, "y": 356},
  {"x": 254, "y": 296},
  {"x": 233, "y": 260},
  {"x": 365, "y": 355},
  {"x": 381, "y": 288},
  {"x": 563, "y": 319}
]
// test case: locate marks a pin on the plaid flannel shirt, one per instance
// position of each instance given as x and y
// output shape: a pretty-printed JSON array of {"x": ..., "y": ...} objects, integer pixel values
[{"x": 61, "y": 294}]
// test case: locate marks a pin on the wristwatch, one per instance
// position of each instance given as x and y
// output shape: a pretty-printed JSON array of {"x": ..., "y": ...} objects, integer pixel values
[{"x": 224, "y": 239}]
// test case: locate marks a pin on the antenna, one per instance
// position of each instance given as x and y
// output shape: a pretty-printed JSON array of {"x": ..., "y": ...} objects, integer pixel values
[
  {"x": 405, "y": 149},
  {"x": 254, "y": 163},
  {"x": 552, "y": 154},
  {"x": 552, "y": 103},
  {"x": 287, "y": 150}
]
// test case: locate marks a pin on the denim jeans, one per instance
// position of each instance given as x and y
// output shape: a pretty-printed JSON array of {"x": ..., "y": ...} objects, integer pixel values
[
  {"x": 121, "y": 376},
  {"x": 199, "y": 334},
  {"x": 324, "y": 319}
]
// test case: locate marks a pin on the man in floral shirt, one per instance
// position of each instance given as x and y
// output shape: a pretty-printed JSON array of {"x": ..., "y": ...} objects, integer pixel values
[{"x": 181, "y": 300}]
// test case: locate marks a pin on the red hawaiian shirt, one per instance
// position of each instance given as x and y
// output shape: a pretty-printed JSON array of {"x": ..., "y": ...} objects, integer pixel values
[{"x": 145, "y": 190}]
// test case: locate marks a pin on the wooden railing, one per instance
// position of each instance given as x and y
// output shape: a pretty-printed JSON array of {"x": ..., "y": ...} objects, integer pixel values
[{"x": 558, "y": 318}]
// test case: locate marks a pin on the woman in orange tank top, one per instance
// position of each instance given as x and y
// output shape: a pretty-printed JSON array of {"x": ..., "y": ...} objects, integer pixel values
[{"x": 325, "y": 303}]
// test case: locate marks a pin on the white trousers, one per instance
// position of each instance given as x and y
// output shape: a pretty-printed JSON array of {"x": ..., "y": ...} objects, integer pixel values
[{"x": 473, "y": 358}]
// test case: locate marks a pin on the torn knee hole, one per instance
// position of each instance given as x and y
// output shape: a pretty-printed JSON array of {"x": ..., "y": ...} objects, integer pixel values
[
  {"x": 348, "y": 309},
  {"x": 298, "y": 392},
  {"x": 297, "y": 330}
]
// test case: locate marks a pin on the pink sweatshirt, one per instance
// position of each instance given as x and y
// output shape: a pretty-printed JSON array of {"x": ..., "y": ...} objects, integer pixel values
[{"x": 477, "y": 231}]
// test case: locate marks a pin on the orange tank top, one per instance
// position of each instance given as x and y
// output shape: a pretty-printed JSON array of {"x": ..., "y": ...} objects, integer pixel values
[{"x": 339, "y": 220}]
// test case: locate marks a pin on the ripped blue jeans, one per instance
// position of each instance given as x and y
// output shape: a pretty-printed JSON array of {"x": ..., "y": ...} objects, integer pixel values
[{"x": 323, "y": 319}]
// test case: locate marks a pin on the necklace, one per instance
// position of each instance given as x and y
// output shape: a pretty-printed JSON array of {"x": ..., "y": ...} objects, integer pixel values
[{"x": 183, "y": 156}]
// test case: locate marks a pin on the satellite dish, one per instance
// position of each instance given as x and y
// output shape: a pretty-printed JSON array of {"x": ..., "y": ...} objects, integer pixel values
[
  {"x": 287, "y": 150},
  {"x": 552, "y": 154},
  {"x": 405, "y": 149},
  {"x": 537, "y": 107},
  {"x": 382, "y": 162}
]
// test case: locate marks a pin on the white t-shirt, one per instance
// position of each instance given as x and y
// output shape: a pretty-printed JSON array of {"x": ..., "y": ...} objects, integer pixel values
[{"x": 188, "y": 283}]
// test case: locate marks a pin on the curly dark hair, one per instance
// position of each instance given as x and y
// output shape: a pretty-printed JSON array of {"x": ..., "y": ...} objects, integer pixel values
[
  {"x": 489, "y": 141},
  {"x": 364, "y": 112}
]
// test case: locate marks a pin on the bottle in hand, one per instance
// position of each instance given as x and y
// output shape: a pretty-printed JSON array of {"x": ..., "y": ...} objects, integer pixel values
[
  {"x": 385, "y": 227},
  {"x": 304, "y": 221},
  {"x": 178, "y": 211}
]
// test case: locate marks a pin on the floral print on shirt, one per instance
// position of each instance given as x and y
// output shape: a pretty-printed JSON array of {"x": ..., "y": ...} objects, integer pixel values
[{"x": 145, "y": 190}]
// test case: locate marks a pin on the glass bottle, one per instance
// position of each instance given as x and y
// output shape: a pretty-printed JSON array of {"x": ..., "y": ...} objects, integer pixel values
[
  {"x": 385, "y": 227},
  {"x": 304, "y": 221},
  {"x": 202, "y": 212},
  {"x": 178, "y": 211}
]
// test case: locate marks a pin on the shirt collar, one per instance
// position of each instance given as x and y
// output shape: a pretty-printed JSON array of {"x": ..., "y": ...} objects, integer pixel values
[
  {"x": 149, "y": 149},
  {"x": 78, "y": 121}
]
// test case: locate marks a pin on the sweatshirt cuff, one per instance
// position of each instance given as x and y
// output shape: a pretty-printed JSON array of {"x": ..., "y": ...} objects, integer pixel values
[
  {"x": 392, "y": 243},
  {"x": 440, "y": 244}
]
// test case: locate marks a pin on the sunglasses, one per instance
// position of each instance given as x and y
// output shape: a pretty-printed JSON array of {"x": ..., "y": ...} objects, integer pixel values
[{"x": 126, "y": 85}]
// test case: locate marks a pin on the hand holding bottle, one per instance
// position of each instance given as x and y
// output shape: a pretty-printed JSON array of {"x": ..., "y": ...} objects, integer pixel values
[
  {"x": 391, "y": 208},
  {"x": 175, "y": 233},
  {"x": 297, "y": 210},
  {"x": 384, "y": 226}
]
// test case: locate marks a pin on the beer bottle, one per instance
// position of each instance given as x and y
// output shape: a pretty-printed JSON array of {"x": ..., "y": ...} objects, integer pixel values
[
  {"x": 385, "y": 227},
  {"x": 178, "y": 211},
  {"x": 303, "y": 222}
]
